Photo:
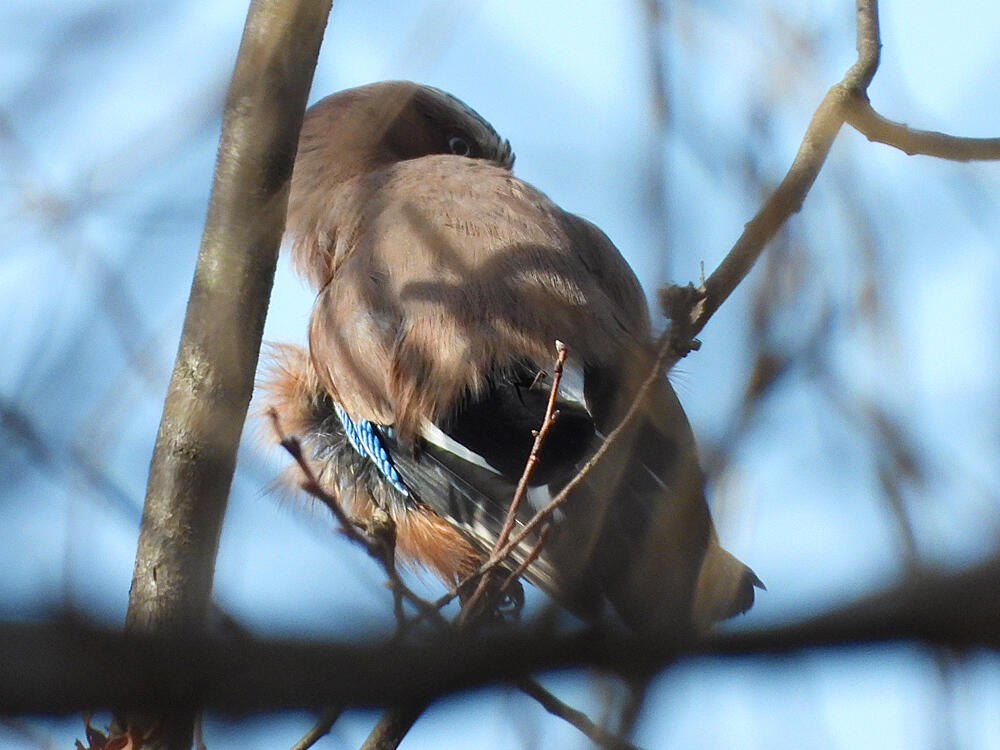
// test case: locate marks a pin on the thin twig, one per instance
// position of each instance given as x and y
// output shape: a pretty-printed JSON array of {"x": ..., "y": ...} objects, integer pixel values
[
  {"x": 550, "y": 417},
  {"x": 311, "y": 485},
  {"x": 469, "y": 612},
  {"x": 392, "y": 726},
  {"x": 522, "y": 487},
  {"x": 597, "y": 735},
  {"x": 199, "y": 738},
  {"x": 543, "y": 535},
  {"x": 666, "y": 345},
  {"x": 577, "y": 719},
  {"x": 376, "y": 545},
  {"x": 878, "y": 129},
  {"x": 320, "y": 729},
  {"x": 629, "y": 714}
]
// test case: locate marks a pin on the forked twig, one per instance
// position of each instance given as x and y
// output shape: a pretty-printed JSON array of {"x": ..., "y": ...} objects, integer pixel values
[
  {"x": 550, "y": 417},
  {"x": 519, "y": 493},
  {"x": 666, "y": 347},
  {"x": 515, "y": 574}
]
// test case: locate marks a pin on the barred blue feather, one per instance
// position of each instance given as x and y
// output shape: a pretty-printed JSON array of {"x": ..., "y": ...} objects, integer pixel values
[{"x": 363, "y": 438}]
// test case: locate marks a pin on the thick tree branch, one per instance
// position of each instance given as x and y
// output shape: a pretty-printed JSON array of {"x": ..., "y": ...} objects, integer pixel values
[
  {"x": 66, "y": 667},
  {"x": 206, "y": 403}
]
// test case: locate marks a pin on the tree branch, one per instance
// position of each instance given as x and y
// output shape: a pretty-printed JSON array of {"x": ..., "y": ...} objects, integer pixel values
[
  {"x": 789, "y": 196},
  {"x": 66, "y": 667},
  {"x": 209, "y": 392},
  {"x": 320, "y": 729},
  {"x": 690, "y": 309},
  {"x": 863, "y": 118},
  {"x": 379, "y": 542},
  {"x": 597, "y": 735},
  {"x": 392, "y": 726},
  {"x": 469, "y": 609}
]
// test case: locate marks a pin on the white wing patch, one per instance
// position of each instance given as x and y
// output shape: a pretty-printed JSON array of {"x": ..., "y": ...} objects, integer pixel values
[
  {"x": 571, "y": 386},
  {"x": 433, "y": 434}
]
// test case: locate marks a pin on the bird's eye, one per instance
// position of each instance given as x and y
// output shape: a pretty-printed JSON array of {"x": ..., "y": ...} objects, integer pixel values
[{"x": 459, "y": 146}]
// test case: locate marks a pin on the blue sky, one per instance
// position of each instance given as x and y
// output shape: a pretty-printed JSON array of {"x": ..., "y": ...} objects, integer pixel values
[{"x": 110, "y": 115}]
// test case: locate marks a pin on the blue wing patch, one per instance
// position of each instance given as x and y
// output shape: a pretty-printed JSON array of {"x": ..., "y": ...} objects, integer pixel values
[{"x": 362, "y": 437}]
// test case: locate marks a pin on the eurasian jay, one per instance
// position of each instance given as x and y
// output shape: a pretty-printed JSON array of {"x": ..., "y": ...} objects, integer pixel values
[{"x": 443, "y": 284}]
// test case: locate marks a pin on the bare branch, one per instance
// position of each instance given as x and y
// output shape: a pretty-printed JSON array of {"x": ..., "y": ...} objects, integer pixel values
[
  {"x": 206, "y": 404},
  {"x": 378, "y": 543},
  {"x": 690, "y": 309},
  {"x": 543, "y": 431},
  {"x": 320, "y": 729},
  {"x": 597, "y": 735},
  {"x": 863, "y": 118},
  {"x": 666, "y": 348},
  {"x": 869, "y": 45},
  {"x": 787, "y": 199},
  {"x": 522, "y": 488},
  {"x": 392, "y": 726},
  {"x": 66, "y": 667},
  {"x": 213, "y": 377},
  {"x": 515, "y": 574}
]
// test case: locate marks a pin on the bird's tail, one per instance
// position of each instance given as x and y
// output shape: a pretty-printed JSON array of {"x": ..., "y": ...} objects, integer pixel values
[{"x": 725, "y": 587}]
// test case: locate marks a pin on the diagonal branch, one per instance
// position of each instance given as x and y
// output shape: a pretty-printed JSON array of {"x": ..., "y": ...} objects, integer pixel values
[
  {"x": 393, "y": 725},
  {"x": 519, "y": 493},
  {"x": 547, "y": 421},
  {"x": 789, "y": 196},
  {"x": 378, "y": 543},
  {"x": 320, "y": 729},
  {"x": 600, "y": 737},
  {"x": 690, "y": 309}
]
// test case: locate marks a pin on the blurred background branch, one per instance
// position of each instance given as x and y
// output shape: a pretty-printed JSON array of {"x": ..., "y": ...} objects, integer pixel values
[{"x": 84, "y": 668}]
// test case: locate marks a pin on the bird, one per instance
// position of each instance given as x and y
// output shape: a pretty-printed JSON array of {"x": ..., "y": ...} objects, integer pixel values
[{"x": 442, "y": 284}]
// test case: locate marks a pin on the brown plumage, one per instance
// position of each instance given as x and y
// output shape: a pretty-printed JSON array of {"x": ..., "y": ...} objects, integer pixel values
[{"x": 443, "y": 282}]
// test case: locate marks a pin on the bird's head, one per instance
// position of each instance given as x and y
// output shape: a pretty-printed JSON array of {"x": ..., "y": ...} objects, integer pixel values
[{"x": 363, "y": 128}]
